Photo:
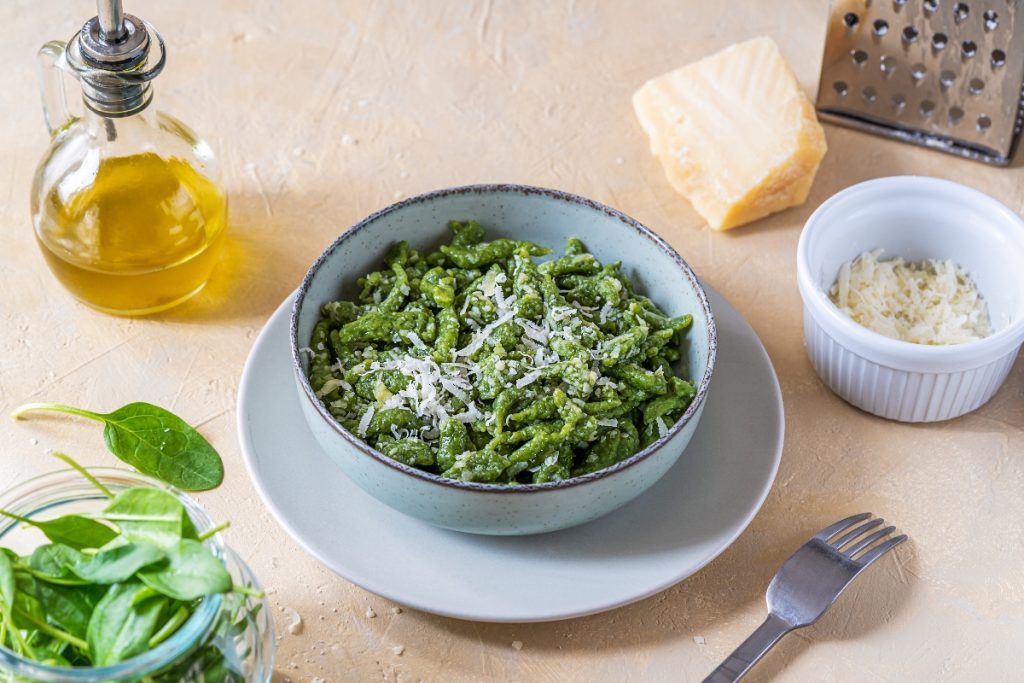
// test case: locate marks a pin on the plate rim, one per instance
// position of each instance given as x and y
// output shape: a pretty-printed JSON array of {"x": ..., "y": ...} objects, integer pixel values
[{"x": 369, "y": 584}]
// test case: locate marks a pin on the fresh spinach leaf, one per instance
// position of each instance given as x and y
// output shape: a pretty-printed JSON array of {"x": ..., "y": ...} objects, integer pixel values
[
  {"x": 119, "y": 627},
  {"x": 28, "y": 611},
  {"x": 6, "y": 580},
  {"x": 150, "y": 515},
  {"x": 46, "y": 646},
  {"x": 51, "y": 655},
  {"x": 117, "y": 564},
  {"x": 191, "y": 571},
  {"x": 54, "y": 563},
  {"x": 154, "y": 441},
  {"x": 70, "y": 607},
  {"x": 72, "y": 530},
  {"x": 115, "y": 583}
]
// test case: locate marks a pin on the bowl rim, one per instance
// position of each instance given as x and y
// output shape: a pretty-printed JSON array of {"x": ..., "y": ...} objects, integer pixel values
[
  {"x": 488, "y": 189},
  {"x": 877, "y": 347}
]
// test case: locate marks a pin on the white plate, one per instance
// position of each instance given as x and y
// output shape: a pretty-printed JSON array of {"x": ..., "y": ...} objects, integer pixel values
[{"x": 679, "y": 525}]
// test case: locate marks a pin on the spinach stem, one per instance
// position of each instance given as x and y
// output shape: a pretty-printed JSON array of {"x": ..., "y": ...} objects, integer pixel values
[
  {"x": 68, "y": 460},
  {"x": 16, "y": 635},
  {"x": 250, "y": 592},
  {"x": 172, "y": 625},
  {"x": 53, "y": 632},
  {"x": 18, "y": 518},
  {"x": 214, "y": 531},
  {"x": 126, "y": 517},
  {"x": 20, "y": 411},
  {"x": 54, "y": 580}
]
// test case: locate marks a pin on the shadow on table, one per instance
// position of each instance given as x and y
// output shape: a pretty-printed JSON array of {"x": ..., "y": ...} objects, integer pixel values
[
  {"x": 265, "y": 259},
  {"x": 708, "y": 603},
  {"x": 869, "y": 604}
]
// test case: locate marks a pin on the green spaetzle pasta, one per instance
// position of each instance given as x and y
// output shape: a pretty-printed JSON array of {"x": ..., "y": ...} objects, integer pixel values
[{"x": 477, "y": 362}]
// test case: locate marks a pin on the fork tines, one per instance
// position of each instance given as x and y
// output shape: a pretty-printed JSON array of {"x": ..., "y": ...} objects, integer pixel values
[{"x": 868, "y": 548}]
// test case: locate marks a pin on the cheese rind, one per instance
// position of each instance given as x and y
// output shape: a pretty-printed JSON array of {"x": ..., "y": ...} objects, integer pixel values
[{"x": 734, "y": 133}]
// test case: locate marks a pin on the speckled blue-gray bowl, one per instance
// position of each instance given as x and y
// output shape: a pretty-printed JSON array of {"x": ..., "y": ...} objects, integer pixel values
[{"x": 547, "y": 217}]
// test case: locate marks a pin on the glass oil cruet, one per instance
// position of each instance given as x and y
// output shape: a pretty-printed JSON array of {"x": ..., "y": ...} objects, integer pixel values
[{"x": 126, "y": 203}]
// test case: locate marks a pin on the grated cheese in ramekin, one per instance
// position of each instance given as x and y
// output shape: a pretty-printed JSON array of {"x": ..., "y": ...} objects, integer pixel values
[{"x": 933, "y": 302}]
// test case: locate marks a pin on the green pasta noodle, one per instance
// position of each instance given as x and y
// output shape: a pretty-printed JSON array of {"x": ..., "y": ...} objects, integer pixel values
[{"x": 479, "y": 362}]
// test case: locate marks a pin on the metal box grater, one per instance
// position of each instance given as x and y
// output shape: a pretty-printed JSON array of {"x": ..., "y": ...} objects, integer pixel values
[{"x": 947, "y": 75}]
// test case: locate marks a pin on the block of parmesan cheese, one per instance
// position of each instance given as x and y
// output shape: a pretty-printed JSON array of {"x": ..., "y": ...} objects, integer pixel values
[{"x": 734, "y": 133}]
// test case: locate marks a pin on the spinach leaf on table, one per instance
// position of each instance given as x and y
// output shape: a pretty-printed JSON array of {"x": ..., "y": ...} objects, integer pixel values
[{"x": 154, "y": 441}]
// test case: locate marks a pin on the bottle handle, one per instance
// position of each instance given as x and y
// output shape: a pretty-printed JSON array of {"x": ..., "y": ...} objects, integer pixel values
[{"x": 52, "y": 64}]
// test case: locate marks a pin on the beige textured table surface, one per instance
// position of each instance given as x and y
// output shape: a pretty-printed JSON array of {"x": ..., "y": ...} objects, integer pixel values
[{"x": 440, "y": 93}]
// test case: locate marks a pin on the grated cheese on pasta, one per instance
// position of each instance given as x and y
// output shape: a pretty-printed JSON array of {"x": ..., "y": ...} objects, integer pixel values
[{"x": 933, "y": 302}]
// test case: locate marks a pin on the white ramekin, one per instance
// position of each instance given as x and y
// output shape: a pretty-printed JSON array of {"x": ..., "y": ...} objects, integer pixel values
[{"x": 916, "y": 218}]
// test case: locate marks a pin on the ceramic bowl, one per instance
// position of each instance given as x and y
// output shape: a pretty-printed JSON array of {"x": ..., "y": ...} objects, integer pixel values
[
  {"x": 547, "y": 217},
  {"x": 916, "y": 218}
]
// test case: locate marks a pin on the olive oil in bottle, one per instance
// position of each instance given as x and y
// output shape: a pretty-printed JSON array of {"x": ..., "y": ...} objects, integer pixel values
[
  {"x": 141, "y": 235},
  {"x": 126, "y": 203}
]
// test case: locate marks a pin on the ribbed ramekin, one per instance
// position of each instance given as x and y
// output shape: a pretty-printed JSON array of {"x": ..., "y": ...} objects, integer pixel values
[{"x": 916, "y": 218}]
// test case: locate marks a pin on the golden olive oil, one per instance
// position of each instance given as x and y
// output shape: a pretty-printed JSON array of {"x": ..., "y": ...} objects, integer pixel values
[{"x": 134, "y": 234}]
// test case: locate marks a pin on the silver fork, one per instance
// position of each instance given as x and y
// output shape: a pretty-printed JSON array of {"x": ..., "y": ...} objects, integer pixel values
[{"x": 808, "y": 583}]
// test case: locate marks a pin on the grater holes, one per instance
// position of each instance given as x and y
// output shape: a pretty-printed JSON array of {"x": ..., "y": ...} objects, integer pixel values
[
  {"x": 881, "y": 27},
  {"x": 926, "y": 108},
  {"x": 998, "y": 58},
  {"x": 910, "y": 34},
  {"x": 939, "y": 41},
  {"x": 869, "y": 94},
  {"x": 991, "y": 20},
  {"x": 887, "y": 64},
  {"x": 931, "y": 5},
  {"x": 976, "y": 86},
  {"x": 961, "y": 11},
  {"x": 918, "y": 72},
  {"x": 898, "y": 102},
  {"x": 897, "y": 5},
  {"x": 859, "y": 57},
  {"x": 841, "y": 88},
  {"x": 947, "y": 78},
  {"x": 968, "y": 49},
  {"x": 956, "y": 114},
  {"x": 851, "y": 20},
  {"x": 983, "y": 123}
]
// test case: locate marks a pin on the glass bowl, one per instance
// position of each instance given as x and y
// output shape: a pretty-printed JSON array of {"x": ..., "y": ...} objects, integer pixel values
[{"x": 228, "y": 638}]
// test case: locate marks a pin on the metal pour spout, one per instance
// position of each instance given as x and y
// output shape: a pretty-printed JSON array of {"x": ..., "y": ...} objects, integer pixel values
[
  {"x": 112, "y": 39},
  {"x": 111, "y": 18},
  {"x": 114, "y": 58}
]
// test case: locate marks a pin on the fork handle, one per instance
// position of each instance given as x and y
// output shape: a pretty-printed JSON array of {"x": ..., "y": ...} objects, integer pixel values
[{"x": 750, "y": 651}]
